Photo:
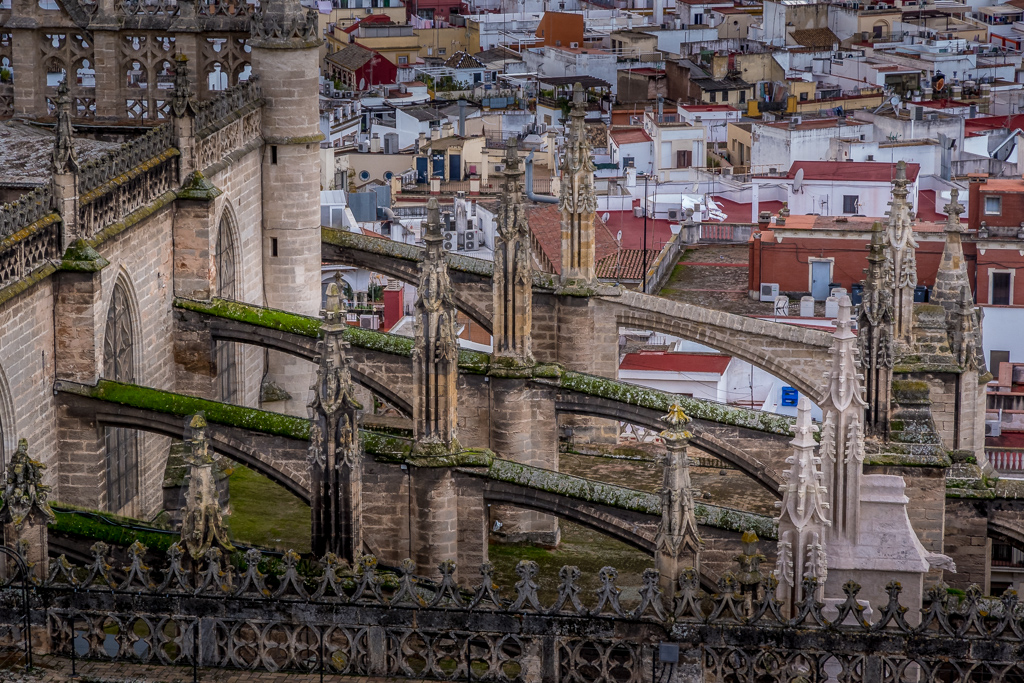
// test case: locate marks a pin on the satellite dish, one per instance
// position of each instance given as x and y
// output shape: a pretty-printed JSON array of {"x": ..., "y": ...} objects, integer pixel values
[
  {"x": 895, "y": 101},
  {"x": 798, "y": 181},
  {"x": 362, "y": 84},
  {"x": 618, "y": 238},
  {"x": 605, "y": 216}
]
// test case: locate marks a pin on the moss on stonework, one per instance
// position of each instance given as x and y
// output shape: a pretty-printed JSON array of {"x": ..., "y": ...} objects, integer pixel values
[
  {"x": 469, "y": 457},
  {"x": 910, "y": 391},
  {"x": 111, "y": 529},
  {"x": 658, "y": 400},
  {"x": 80, "y": 257},
  {"x": 892, "y": 456},
  {"x": 179, "y": 404},
  {"x": 17, "y": 287},
  {"x": 575, "y": 487},
  {"x": 736, "y": 520},
  {"x": 269, "y": 318},
  {"x": 386, "y": 447},
  {"x": 199, "y": 189}
]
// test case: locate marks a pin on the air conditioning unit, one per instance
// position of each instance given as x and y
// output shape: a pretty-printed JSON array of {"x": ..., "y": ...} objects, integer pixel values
[
  {"x": 471, "y": 240},
  {"x": 451, "y": 240},
  {"x": 498, "y": 168},
  {"x": 369, "y": 322},
  {"x": 638, "y": 211},
  {"x": 871, "y": 157},
  {"x": 993, "y": 428},
  {"x": 573, "y": 45},
  {"x": 673, "y": 214},
  {"x": 364, "y": 147},
  {"x": 769, "y": 291}
]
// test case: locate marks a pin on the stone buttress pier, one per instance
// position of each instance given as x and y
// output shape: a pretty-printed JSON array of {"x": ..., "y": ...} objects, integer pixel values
[
  {"x": 285, "y": 52},
  {"x": 677, "y": 544},
  {"x": 521, "y": 416}
]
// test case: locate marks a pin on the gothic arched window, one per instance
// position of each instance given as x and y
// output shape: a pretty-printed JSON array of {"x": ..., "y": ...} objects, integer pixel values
[
  {"x": 227, "y": 353},
  {"x": 122, "y": 445}
]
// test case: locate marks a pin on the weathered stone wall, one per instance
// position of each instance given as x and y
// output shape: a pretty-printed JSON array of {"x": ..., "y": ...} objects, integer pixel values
[
  {"x": 26, "y": 374},
  {"x": 386, "y": 506},
  {"x": 926, "y": 489},
  {"x": 967, "y": 542}
]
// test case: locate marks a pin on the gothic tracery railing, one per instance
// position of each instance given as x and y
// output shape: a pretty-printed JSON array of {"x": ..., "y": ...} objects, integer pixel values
[{"x": 302, "y": 615}]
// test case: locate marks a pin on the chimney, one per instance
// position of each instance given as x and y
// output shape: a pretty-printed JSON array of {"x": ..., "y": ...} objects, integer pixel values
[
  {"x": 446, "y": 130},
  {"x": 661, "y": 109},
  {"x": 394, "y": 304},
  {"x": 435, "y": 133},
  {"x": 375, "y": 143},
  {"x": 462, "y": 118},
  {"x": 422, "y": 141}
]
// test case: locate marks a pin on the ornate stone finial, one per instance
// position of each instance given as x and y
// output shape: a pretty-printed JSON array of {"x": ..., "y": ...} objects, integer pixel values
[
  {"x": 182, "y": 102},
  {"x": 750, "y": 575},
  {"x": 578, "y": 98},
  {"x": 902, "y": 248},
  {"x": 64, "y": 160},
  {"x": 953, "y": 211},
  {"x": 803, "y": 520},
  {"x": 512, "y": 285},
  {"x": 577, "y": 200},
  {"x": 875, "y": 333},
  {"x": 436, "y": 352},
  {"x": 24, "y": 491},
  {"x": 202, "y": 524},
  {"x": 334, "y": 453},
  {"x": 675, "y": 419}
]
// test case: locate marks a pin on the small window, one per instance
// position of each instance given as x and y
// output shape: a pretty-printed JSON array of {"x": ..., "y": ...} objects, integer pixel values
[
  {"x": 743, "y": 96},
  {"x": 403, "y": 60},
  {"x": 850, "y": 202},
  {"x": 803, "y": 97},
  {"x": 1001, "y": 293},
  {"x": 273, "y": 246},
  {"x": 441, "y": 50},
  {"x": 993, "y": 206},
  {"x": 713, "y": 96},
  {"x": 273, "y": 154},
  {"x": 996, "y": 358},
  {"x": 364, "y": 175}
]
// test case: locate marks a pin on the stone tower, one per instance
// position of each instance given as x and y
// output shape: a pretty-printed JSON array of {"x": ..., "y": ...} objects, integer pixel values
[
  {"x": 334, "y": 455},
  {"x": 576, "y": 200},
  {"x": 900, "y": 239},
  {"x": 436, "y": 352},
  {"x": 513, "y": 272},
  {"x": 875, "y": 335},
  {"x": 285, "y": 56}
]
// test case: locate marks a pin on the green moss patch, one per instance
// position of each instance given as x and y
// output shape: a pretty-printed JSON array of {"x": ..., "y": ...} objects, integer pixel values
[
  {"x": 80, "y": 257},
  {"x": 110, "y": 529},
  {"x": 178, "y": 404},
  {"x": 285, "y": 525},
  {"x": 269, "y": 318}
]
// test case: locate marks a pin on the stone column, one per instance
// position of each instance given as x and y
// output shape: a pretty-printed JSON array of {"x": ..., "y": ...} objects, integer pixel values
[
  {"x": 335, "y": 460},
  {"x": 285, "y": 56},
  {"x": 436, "y": 353},
  {"x": 64, "y": 164},
  {"x": 902, "y": 246},
  {"x": 202, "y": 522},
  {"x": 804, "y": 517},
  {"x": 677, "y": 544},
  {"x": 106, "y": 49},
  {"x": 29, "y": 73},
  {"x": 26, "y": 513},
  {"x": 875, "y": 331},
  {"x": 577, "y": 201}
]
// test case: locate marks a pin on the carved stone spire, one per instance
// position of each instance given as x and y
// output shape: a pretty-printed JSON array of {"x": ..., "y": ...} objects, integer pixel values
[
  {"x": 875, "y": 332},
  {"x": 512, "y": 285},
  {"x": 842, "y": 433},
  {"x": 804, "y": 516},
  {"x": 677, "y": 544},
  {"x": 952, "y": 291},
  {"x": 334, "y": 455},
  {"x": 436, "y": 353},
  {"x": 64, "y": 160},
  {"x": 577, "y": 200},
  {"x": 902, "y": 248},
  {"x": 202, "y": 524},
  {"x": 183, "y": 107}
]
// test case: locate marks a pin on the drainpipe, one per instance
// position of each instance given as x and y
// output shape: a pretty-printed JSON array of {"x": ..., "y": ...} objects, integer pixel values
[
  {"x": 541, "y": 198},
  {"x": 462, "y": 118}
]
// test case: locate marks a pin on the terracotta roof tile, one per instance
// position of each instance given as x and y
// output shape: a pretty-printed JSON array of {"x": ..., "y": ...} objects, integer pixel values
[{"x": 625, "y": 265}]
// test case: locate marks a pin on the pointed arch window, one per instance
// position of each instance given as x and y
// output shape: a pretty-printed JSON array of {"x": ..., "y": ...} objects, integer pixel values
[
  {"x": 122, "y": 445},
  {"x": 227, "y": 352}
]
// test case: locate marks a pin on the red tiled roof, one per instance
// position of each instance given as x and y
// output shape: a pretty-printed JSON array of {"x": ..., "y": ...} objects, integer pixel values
[
  {"x": 851, "y": 171},
  {"x": 545, "y": 222},
  {"x": 667, "y": 361},
  {"x": 625, "y": 265},
  {"x": 986, "y": 123},
  {"x": 626, "y": 136}
]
